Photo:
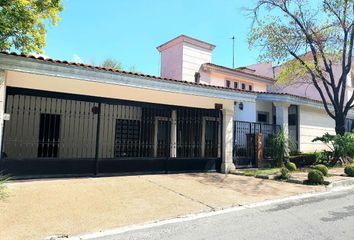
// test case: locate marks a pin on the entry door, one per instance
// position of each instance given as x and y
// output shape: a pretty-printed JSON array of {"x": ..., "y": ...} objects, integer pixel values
[{"x": 162, "y": 137}]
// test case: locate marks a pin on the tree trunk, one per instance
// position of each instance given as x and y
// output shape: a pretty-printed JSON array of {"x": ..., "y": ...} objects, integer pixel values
[{"x": 340, "y": 123}]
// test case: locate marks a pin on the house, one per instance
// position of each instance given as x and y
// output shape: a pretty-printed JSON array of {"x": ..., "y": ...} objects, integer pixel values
[
  {"x": 297, "y": 109},
  {"x": 60, "y": 118}
]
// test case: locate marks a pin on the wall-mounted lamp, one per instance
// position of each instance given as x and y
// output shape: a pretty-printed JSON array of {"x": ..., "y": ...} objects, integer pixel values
[{"x": 240, "y": 105}]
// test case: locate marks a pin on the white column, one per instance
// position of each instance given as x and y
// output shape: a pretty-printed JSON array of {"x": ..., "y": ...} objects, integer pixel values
[
  {"x": 173, "y": 151},
  {"x": 282, "y": 116},
  {"x": 228, "y": 124},
  {"x": 2, "y": 105}
]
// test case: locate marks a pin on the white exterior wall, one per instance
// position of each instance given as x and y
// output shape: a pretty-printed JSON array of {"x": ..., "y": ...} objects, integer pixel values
[
  {"x": 193, "y": 58},
  {"x": 265, "y": 107},
  {"x": 248, "y": 114},
  {"x": 171, "y": 62},
  {"x": 313, "y": 123}
]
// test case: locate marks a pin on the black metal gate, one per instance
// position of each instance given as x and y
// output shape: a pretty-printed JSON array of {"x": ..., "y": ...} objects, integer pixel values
[
  {"x": 63, "y": 134},
  {"x": 244, "y": 151}
]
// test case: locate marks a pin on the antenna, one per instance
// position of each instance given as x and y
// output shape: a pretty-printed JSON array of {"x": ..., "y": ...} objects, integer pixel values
[{"x": 233, "y": 51}]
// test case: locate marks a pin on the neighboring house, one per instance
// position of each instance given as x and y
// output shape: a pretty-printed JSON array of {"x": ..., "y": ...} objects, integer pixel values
[
  {"x": 62, "y": 118},
  {"x": 296, "y": 109}
]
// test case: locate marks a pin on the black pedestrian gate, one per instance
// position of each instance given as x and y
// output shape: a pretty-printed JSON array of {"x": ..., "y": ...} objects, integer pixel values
[
  {"x": 63, "y": 134},
  {"x": 244, "y": 150}
]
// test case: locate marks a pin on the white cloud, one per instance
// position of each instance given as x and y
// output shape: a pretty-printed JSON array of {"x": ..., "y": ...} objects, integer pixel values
[{"x": 76, "y": 58}]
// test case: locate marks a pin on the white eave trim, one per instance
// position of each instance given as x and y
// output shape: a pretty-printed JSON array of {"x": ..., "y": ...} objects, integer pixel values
[
  {"x": 269, "y": 97},
  {"x": 34, "y": 66}
]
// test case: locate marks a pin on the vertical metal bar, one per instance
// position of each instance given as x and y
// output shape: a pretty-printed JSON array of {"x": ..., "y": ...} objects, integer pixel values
[{"x": 97, "y": 139}]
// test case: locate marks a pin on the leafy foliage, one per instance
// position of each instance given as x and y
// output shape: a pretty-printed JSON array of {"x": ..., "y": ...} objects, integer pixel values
[
  {"x": 22, "y": 23},
  {"x": 315, "y": 177},
  {"x": 341, "y": 147},
  {"x": 290, "y": 166},
  {"x": 305, "y": 159},
  {"x": 349, "y": 170},
  {"x": 284, "y": 174},
  {"x": 112, "y": 63},
  {"x": 3, "y": 192},
  {"x": 310, "y": 43},
  {"x": 280, "y": 147},
  {"x": 322, "y": 168}
]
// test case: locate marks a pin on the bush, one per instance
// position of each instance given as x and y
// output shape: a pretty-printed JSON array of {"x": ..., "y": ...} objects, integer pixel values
[
  {"x": 290, "y": 166},
  {"x": 284, "y": 174},
  {"x": 305, "y": 159},
  {"x": 322, "y": 168},
  {"x": 349, "y": 170},
  {"x": 315, "y": 177},
  {"x": 341, "y": 146}
]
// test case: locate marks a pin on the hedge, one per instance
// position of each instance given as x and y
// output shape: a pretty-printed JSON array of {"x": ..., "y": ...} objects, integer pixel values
[{"x": 305, "y": 159}]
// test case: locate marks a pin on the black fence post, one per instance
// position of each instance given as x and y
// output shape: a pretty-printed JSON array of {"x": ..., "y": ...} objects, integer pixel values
[{"x": 97, "y": 139}]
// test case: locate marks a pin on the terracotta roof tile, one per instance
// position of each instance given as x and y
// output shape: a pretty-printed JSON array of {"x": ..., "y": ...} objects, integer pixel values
[{"x": 123, "y": 72}]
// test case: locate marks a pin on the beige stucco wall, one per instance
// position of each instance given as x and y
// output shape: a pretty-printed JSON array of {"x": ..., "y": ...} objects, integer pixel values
[
  {"x": 90, "y": 88},
  {"x": 313, "y": 123}
]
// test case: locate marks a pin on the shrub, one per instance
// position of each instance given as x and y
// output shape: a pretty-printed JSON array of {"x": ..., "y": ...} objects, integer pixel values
[
  {"x": 349, "y": 170},
  {"x": 341, "y": 146},
  {"x": 280, "y": 147},
  {"x": 315, "y": 177},
  {"x": 322, "y": 168},
  {"x": 284, "y": 174},
  {"x": 305, "y": 159},
  {"x": 290, "y": 166}
]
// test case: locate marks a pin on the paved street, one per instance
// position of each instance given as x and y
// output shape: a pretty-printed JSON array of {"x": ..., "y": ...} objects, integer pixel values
[
  {"x": 321, "y": 217},
  {"x": 84, "y": 205}
]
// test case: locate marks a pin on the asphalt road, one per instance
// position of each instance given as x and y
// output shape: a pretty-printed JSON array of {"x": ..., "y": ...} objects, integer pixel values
[{"x": 320, "y": 217}]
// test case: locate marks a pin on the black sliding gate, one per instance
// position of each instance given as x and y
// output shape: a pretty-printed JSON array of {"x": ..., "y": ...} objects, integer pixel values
[
  {"x": 62, "y": 134},
  {"x": 244, "y": 151}
]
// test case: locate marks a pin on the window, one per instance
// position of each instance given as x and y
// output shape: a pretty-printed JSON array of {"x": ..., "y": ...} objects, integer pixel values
[
  {"x": 243, "y": 86},
  {"x": 250, "y": 87},
  {"x": 127, "y": 138},
  {"x": 262, "y": 117},
  {"x": 235, "y": 85},
  {"x": 228, "y": 83},
  {"x": 197, "y": 77},
  {"x": 48, "y": 139}
]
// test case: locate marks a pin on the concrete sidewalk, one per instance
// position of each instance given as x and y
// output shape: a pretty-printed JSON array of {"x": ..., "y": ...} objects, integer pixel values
[{"x": 37, "y": 209}]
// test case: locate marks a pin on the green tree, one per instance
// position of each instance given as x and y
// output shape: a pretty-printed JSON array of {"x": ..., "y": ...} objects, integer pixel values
[
  {"x": 312, "y": 38},
  {"x": 112, "y": 63},
  {"x": 23, "y": 23}
]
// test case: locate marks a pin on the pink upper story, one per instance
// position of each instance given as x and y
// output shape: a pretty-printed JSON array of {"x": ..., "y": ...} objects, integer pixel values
[
  {"x": 189, "y": 59},
  {"x": 299, "y": 87}
]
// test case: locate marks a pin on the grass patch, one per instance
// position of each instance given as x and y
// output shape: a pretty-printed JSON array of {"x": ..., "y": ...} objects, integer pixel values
[
  {"x": 260, "y": 171},
  {"x": 3, "y": 190}
]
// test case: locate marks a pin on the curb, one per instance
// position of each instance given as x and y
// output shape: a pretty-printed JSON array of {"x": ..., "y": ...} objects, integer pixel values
[
  {"x": 345, "y": 185},
  {"x": 340, "y": 184}
]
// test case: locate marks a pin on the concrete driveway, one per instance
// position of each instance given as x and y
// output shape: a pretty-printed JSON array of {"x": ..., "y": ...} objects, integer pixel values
[{"x": 40, "y": 208}]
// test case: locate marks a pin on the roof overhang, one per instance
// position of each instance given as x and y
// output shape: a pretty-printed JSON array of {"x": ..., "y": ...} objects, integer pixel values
[
  {"x": 296, "y": 100},
  {"x": 187, "y": 39},
  {"x": 35, "y": 66}
]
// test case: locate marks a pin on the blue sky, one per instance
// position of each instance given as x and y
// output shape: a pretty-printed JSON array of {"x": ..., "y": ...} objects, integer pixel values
[{"x": 130, "y": 30}]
